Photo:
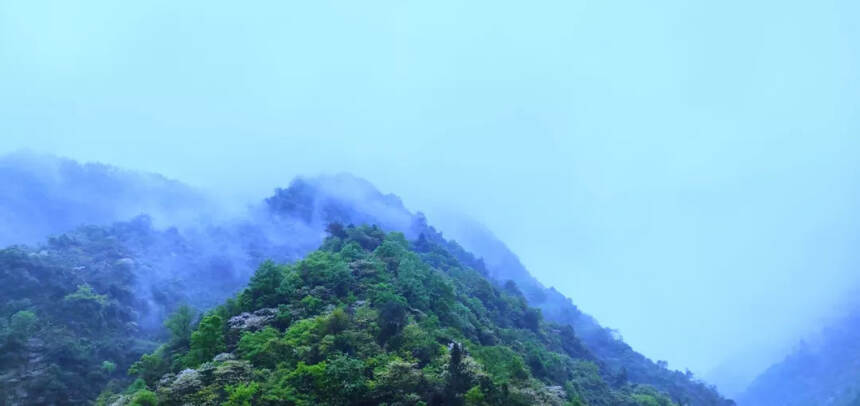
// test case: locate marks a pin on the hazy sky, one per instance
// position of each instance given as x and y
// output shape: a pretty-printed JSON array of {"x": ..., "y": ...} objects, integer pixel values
[{"x": 687, "y": 173}]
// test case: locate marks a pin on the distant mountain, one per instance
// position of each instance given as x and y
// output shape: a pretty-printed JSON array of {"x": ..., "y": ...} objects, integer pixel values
[
  {"x": 203, "y": 263},
  {"x": 43, "y": 195},
  {"x": 823, "y": 370}
]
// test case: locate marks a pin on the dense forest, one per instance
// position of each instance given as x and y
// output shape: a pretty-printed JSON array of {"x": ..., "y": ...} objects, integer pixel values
[
  {"x": 117, "y": 311},
  {"x": 429, "y": 203},
  {"x": 372, "y": 319}
]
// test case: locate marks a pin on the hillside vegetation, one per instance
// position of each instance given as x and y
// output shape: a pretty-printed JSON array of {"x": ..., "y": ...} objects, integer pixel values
[
  {"x": 79, "y": 308},
  {"x": 372, "y": 319},
  {"x": 347, "y": 199}
]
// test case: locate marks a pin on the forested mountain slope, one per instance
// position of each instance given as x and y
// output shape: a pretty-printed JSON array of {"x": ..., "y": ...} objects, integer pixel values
[
  {"x": 372, "y": 319},
  {"x": 824, "y": 370},
  {"x": 78, "y": 309},
  {"x": 65, "y": 330},
  {"x": 134, "y": 273},
  {"x": 349, "y": 200}
]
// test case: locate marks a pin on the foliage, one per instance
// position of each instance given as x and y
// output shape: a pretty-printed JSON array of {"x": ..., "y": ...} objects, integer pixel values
[
  {"x": 144, "y": 397},
  {"x": 108, "y": 367},
  {"x": 150, "y": 367},
  {"x": 206, "y": 341},
  {"x": 64, "y": 334},
  {"x": 368, "y": 320},
  {"x": 180, "y": 325},
  {"x": 102, "y": 294},
  {"x": 241, "y": 394}
]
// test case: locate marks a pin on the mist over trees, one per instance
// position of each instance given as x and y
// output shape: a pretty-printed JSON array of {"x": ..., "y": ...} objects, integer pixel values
[
  {"x": 823, "y": 369},
  {"x": 96, "y": 305},
  {"x": 43, "y": 195},
  {"x": 370, "y": 320}
]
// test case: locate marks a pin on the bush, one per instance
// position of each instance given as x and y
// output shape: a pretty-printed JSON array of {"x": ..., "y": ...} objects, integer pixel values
[
  {"x": 241, "y": 394},
  {"x": 144, "y": 397}
]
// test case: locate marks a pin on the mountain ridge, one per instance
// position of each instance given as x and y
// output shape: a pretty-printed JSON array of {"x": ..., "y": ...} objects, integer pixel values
[
  {"x": 291, "y": 223},
  {"x": 823, "y": 369}
]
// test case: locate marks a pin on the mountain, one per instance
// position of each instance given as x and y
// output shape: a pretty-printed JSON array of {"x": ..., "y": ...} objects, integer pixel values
[
  {"x": 63, "y": 328},
  {"x": 43, "y": 195},
  {"x": 371, "y": 318},
  {"x": 77, "y": 310},
  {"x": 348, "y": 200},
  {"x": 137, "y": 270},
  {"x": 823, "y": 370}
]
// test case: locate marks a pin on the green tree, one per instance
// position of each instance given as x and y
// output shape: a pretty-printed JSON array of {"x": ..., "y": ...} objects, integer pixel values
[
  {"x": 22, "y": 323},
  {"x": 241, "y": 394},
  {"x": 325, "y": 269},
  {"x": 86, "y": 294},
  {"x": 503, "y": 364},
  {"x": 262, "y": 290},
  {"x": 261, "y": 347},
  {"x": 207, "y": 341},
  {"x": 392, "y": 313},
  {"x": 475, "y": 397},
  {"x": 144, "y": 397},
  {"x": 108, "y": 367},
  {"x": 397, "y": 381},
  {"x": 344, "y": 380},
  {"x": 308, "y": 379},
  {"x": 336, "y": 322},
  {"x": 459, "y": 380},
  {"x": 85, "y": 300},
  {"x": 180, "y": 326},
  {"x": 150, "y": 367}
]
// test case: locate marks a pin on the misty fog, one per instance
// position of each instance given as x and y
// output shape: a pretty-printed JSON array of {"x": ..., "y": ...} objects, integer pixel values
[{"x": 684, "y": 173}]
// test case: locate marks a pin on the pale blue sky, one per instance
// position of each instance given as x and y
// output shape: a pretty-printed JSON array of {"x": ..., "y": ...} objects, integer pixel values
[{"x": 688, "y": 173}]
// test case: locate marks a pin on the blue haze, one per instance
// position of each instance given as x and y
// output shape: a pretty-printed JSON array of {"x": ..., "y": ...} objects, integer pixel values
[{"x": 685, "y": 172}]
